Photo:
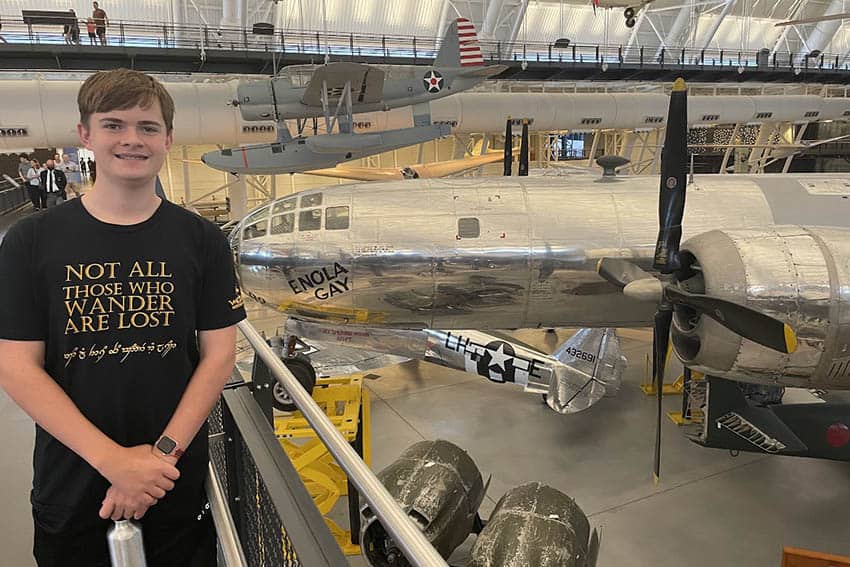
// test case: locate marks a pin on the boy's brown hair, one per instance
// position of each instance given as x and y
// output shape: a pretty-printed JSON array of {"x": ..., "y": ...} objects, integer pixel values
[{"x": 121, "y": 89}]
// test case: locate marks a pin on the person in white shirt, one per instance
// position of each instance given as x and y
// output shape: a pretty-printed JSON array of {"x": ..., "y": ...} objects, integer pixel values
[
  {"x": 72, "y": 173},
  {"x": 34, "y": 186}
]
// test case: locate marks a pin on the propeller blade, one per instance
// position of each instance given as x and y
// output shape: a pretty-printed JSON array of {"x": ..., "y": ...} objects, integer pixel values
[
  {"x": 660, "y": 343},
  {"x": 740, "y": 319},
  {"x": 671, "y": 201},
  {"x": 523, "y": 150},
  {"x": 509, "y": 149},
  {"x": 620, "y": 272}
]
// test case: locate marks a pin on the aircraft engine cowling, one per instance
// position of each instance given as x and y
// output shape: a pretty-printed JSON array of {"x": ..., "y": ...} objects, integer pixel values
[
  {"x": 535, "y": 524},
  {"x": 256, "y": 100},
  {"x": 440, "y": 486},
  {"x": 800, "y": 275}
]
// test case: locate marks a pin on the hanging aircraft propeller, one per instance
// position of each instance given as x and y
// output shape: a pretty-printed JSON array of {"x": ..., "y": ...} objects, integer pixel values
[
  {"x": 666, "y": 289},
  {"x": 509, "y": 149},
  {"x": 523, "y": 150}
]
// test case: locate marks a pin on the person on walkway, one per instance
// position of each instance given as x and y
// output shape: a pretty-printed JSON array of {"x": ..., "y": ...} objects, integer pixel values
[
  {"x": 100, "y": 21},
  {"x": 53, "y": 184},
  {"x": 39, "y": 200},
  {"x": 119, "y": 345},
  {"x": 84, "y": 169},
  {"x": 23, "y": 167},
  {"x": 92, "y": 166},
  {"x": 92, "y": 31},
  {"x": 72, "y": 173}
]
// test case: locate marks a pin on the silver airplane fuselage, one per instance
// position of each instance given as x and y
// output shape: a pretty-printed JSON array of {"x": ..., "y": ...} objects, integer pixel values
[{"x": 492, "y": 254}]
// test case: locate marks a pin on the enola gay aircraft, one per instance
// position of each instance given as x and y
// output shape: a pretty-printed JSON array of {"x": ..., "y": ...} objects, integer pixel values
[{"x": 757, "y": 293}]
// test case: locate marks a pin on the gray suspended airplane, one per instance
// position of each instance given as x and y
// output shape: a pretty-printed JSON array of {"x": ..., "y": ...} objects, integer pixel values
[
  {"x": 337, "y": 91},
  {"x": 548, "y": 252}
]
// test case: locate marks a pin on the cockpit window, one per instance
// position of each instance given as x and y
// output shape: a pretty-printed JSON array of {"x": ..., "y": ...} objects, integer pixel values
[
  {"x": 336, "y": 218},
  {"x": 254, "y": 217},
  {"x": 310, "y": 220},
  {"x": 313, "y": 200},
  {"x": 255, "y": 230},
  {"x": 282, "y": 206},
  {"x": 283, "y": 224}
]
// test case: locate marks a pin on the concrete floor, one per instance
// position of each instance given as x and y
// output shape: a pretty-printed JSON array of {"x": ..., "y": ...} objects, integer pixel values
[{"x": 709, "y": 510}]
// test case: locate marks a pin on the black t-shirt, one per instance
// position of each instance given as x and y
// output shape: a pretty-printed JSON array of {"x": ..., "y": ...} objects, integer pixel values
[{"x": 118, "y": 308}]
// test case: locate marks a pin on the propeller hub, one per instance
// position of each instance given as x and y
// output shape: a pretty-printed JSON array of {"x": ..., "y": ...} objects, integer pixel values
[{"x": 648, "y": 289}]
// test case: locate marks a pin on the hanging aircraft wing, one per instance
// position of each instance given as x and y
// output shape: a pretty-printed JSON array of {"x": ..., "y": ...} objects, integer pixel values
[
  {"x": 367, "y": 83},
  {"x": 360, "y": 173},
  {"x": 423, "y": 171}
]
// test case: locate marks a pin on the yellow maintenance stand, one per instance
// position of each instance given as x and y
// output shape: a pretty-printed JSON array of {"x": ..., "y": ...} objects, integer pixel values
[
  {"x": 687, "y": 387},
  {"x": 346, "y": 403}
]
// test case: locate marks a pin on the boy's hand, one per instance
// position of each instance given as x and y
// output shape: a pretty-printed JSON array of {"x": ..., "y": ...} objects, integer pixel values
[
  {"x": 170, "y": 459},
  {"x": 119, "y": 506},
  {"x": 137, "y": 475}
]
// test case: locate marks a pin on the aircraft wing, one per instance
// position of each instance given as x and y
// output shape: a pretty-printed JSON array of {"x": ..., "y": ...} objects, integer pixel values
[
  {"x": 338, "y": 360},
  {"x": 455, "y": 166},
  {"x": 422, "y": 170},
  {"x": 360, "y": 173},
  {"x": 367, "y": 83}
]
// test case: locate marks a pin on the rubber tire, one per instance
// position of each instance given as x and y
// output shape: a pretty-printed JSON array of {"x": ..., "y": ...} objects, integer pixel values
[
  {"x": 630, "y": 23},
  {"x": 629, "y": 13},
  {"x": 303, "y": 371}
]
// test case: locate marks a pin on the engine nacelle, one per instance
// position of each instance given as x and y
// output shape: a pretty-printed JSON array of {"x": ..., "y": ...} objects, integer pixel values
[
  {"x": 440, "y": 486},
  {"x": 256, "y": 100},
  {"x": 800, "y": 275},
  {"x": 535, "y": 524}
]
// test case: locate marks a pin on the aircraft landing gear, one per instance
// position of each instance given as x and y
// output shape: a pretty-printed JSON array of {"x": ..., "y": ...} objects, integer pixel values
[
  {"x": 630, "y": 23},
  {"x": 303, "y": 371},
  {"x": 629, "y": 13}
]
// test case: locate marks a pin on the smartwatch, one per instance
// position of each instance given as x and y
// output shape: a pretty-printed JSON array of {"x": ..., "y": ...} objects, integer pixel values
[{"x": 168, "y": 446}]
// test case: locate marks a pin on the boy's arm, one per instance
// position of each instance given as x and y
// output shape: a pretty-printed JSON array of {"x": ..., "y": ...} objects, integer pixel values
[
  {"x": 218, "y": 355},
  {"x": 139, "y": 475}
]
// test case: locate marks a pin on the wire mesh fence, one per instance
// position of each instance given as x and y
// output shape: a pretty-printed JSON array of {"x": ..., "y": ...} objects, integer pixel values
[{"x": 273, "y": 513}]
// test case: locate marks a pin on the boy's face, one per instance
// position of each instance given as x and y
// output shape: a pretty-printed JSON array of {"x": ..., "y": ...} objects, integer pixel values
[{"x": 129, "y": 145}]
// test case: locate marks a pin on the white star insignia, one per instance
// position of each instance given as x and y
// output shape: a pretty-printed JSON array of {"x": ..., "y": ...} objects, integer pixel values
[{"x": 498, "y": 357}]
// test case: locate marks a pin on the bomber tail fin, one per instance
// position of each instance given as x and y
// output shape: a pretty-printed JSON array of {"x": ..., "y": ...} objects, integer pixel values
[
  {"x": 593, "y": 367},
  {"x": 460, "y": 46}
]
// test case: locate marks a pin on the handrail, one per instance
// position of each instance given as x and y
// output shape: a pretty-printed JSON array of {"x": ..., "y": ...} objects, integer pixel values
[
  {"x": 225, "y": 527},
  {"x": 388, "y": 47},
  {"x": 410, "y": 539}
]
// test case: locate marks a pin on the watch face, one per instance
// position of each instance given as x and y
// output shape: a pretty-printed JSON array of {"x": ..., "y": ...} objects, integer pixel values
[{"x": 166, "y": 445}]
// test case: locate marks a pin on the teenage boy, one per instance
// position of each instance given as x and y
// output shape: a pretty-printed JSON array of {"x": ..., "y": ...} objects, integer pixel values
[{"x": 119, "y": 346}]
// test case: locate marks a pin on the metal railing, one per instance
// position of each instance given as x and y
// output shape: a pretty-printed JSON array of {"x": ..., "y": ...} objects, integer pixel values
[
  {"x": 395, "y": 48},
  {"x": 275, "y": 518},
  {"x": 406, "y": 534},
  {"x": 230, "y": 547},
  {"x": 12, "y": 194}
]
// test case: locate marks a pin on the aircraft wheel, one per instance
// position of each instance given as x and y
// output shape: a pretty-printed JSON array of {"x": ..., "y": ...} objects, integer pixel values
[
  {"x": 303, "y": 371},
  {"x": 630, "y": 23},
  {"x": 629, "y": 13}
]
